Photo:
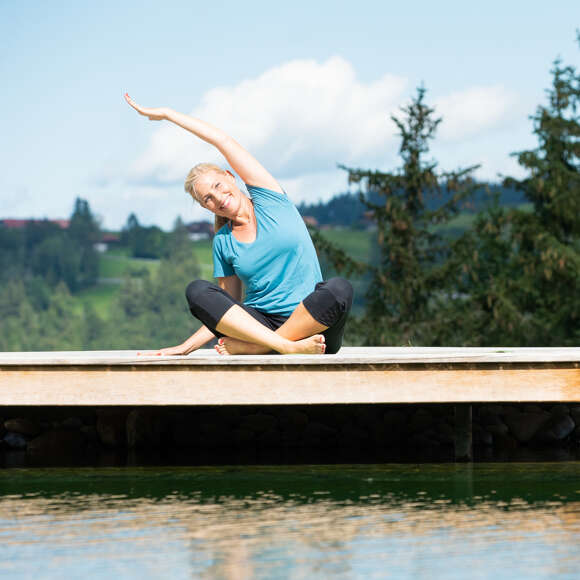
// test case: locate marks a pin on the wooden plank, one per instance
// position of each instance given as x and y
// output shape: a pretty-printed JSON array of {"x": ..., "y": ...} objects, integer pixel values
[
  {"x": 283, "y": 385},
  {"x": 347, "y": 355}
]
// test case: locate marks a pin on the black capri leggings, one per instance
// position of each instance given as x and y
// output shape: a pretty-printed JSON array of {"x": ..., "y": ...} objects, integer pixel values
[{"x": 329, "y": 304}]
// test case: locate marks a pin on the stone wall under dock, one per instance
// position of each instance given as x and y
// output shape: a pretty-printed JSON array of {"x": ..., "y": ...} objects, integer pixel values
[{"x": 277, "y": 434}]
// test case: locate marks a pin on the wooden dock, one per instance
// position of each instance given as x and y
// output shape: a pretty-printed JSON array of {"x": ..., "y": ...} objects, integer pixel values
[
  {"x": 355, "y": 375},
  {"x": 399, "y": 375}
]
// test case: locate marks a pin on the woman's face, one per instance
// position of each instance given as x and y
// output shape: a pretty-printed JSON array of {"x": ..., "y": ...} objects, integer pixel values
[{"x": 218, "y": 192}]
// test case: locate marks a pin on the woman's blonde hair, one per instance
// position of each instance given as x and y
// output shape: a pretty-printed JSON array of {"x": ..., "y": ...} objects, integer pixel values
[{"x": 193, "y": 177}]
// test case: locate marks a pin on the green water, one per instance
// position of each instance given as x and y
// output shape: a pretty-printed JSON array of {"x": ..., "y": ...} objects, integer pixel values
[{"x": 512, "y": 520}]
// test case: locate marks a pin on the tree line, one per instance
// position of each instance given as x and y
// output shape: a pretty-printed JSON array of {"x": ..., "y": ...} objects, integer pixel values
[{"x": 44, "y": 267}]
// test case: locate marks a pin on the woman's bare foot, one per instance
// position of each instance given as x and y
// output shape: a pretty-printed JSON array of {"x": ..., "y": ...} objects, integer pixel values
[
  {"x": 311, "y": 345},
  {"x": 228, "y": 345}
]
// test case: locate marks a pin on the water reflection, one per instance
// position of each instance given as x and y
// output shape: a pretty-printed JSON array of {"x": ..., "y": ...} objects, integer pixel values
[{"x": 299, "y": 522}]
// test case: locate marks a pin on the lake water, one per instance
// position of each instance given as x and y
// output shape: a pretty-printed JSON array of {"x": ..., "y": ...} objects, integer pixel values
[{"x": 500, "y": 520}]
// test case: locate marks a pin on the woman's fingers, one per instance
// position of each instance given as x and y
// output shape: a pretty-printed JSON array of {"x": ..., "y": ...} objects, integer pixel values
[
  {"x": 153, "y": 114},
  {"x": 137, "y": 107},
  {"x": 134, "y": 104}
]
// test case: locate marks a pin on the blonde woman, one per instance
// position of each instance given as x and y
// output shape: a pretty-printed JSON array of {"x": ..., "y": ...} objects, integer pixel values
[{"x": 261, "y": 245}]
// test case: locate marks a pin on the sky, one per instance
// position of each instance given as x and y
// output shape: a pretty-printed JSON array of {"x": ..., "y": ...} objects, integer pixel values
[{"x": 303, "y": 85}]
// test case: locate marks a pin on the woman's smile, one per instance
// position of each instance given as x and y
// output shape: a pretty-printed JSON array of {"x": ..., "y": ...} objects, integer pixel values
[{"x": 226, "y": 203}]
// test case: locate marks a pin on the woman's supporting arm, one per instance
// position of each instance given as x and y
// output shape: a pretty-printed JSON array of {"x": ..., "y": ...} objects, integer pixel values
[
  {"x": 242, "y": 162},
  {"x": 195, "y": 341}
]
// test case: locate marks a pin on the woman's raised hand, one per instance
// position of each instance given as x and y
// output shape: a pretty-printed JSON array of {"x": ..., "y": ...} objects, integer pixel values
[{"x": 153, "y": 114}]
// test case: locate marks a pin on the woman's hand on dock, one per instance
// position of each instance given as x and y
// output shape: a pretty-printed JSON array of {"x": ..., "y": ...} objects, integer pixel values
[
  {"x": 153, "y": 114},
  {"x": 169, "y": 351}
]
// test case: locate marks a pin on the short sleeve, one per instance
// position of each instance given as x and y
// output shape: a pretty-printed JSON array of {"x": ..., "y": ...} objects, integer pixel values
[
  {"x": 221, "y": 267},
  {"x": 264, "y": 197}
]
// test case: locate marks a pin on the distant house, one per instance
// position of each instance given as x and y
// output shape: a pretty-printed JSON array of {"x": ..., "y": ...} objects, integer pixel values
[
  {"x": 107, "y": 241},
  {"x": 17, "y": 224},
  {"x": 200, "y": 231},
  {"x": 310, "y": 220}
]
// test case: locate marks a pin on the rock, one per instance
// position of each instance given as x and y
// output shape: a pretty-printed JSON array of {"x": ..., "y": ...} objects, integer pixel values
[
  {"x": 229, "y": 415},
  {"x": 214, "y": 435},
  {"x": 491, "y": 409},
  {"x": 72, "y": 423},
  {"x": 532, "y": 409},
  {"x": 91, "y": 435},
  {"x": 242, "y": 437},
  {"x": 558, "y": 428},
  {"x": 524, "y": 426},
  {"x": 482, "y": 437},
  {"x": 445, "y": 432},
  {"x": 259, "y": 422},
  {"x": 500, "y": 430},
  {"x": 421, "y": 420},
  {"x": 559, "y": 410},
  {"x": 291, "y": 438},
  {"x": 269, "y": 439},
  {"x": 317, "y": 434},
  {"x": 395, "y": 419},
  {"x": 426, "y": 438},
  {"x": 365, "y": 415},
  {"x": 143, "y": 429},
  {"x": 502, "y": 441},
  {"x": 15, "y": 458},
  {"x": 381, "y": 435},
  {"x": 22, "y": 425},
  {"x": 184, "y": 430},
  {"x": 293, "y": 419},
  {"x": 575, "y": 414},
  {"x": 208, "y": 419},
  {"x": 111, "y": 427},
  {"x": 490, "y": 419},
  {"x": 15, "y": 440},
  {"x": 395, "y": 426},
  {"x": 508, "y": 410},
  {"x": 351, "y": 436},
  {"x": 57, "y": 442}
]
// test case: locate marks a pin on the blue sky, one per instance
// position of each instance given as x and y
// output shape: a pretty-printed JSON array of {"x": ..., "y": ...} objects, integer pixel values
[{"x": 304, "y": 85}]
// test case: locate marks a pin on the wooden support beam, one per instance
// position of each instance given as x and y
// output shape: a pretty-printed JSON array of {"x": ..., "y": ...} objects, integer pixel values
[{"x": 463, "y": 433}]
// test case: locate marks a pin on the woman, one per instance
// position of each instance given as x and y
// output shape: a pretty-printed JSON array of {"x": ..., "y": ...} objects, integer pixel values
[{"x": 262, "y": 243}]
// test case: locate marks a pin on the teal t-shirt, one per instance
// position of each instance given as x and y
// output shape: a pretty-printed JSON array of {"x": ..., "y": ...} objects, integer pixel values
[{"x": 280, "y": 267}]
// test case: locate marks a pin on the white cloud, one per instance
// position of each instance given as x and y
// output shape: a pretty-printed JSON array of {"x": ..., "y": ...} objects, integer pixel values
[
  {"x": 298, "y": 118},
  {"x": 475, "y": 110},
  {"x": 302, "y": 118}
]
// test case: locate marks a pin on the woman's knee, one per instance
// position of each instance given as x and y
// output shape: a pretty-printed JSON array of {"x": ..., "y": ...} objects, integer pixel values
[
  {"x": 342, "y": 290},
  {"x": 196, "y": 291}
]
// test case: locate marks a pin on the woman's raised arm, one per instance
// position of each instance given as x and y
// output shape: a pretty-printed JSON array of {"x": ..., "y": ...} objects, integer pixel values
[{"x": 241, "y": 161}]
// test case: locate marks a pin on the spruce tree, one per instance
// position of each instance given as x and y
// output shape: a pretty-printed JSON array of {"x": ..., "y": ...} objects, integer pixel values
[
  {"x": 522, "y": 268},
  {"x": 85, "y": 233},
  {"x": 409, "y": 290}
]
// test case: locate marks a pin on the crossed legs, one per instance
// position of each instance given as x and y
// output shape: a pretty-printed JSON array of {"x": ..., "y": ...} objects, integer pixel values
[
  {"x": 243, "y": 330},
  {"x": 299, "y": 325}
]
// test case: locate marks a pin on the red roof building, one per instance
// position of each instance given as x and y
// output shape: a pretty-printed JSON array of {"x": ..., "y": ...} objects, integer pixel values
[{"x": 17, "y": 224}]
